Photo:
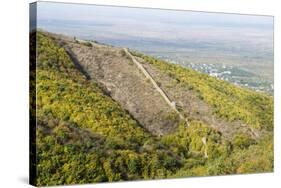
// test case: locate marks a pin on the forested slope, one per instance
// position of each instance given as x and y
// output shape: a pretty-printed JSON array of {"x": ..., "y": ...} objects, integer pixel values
[{"x": 84, "y": 136}]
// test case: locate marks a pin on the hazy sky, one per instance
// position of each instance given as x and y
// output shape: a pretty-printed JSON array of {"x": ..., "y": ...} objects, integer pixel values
[
  {"x": 64, "y": 11},
  {"x": 148, "y": 27}
]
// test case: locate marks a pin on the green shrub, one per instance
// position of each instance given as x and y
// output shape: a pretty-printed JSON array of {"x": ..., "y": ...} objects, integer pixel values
[
  {"x": 87, "y": 43},
  {"x": 243, "y": 141}
]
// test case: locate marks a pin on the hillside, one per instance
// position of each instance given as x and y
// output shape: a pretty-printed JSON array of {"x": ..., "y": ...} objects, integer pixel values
[{"x": 100, "y": 118}]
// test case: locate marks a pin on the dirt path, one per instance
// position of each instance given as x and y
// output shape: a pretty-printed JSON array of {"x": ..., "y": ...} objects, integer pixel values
[{"x": 148, "y": 76}]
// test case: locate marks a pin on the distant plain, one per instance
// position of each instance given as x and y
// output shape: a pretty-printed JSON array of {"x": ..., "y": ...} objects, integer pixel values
[{"x": 212, "y": 43}]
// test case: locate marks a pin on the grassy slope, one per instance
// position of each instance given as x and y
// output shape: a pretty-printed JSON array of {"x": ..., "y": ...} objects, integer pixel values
[
  {"x": 233, "y": 104},
  {"x": 115, "y": 147},
  {"x": 84, "y": 136}
]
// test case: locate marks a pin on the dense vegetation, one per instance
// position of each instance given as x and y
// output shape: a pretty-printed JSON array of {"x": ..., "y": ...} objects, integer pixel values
[{"x": 83, "y": 136}]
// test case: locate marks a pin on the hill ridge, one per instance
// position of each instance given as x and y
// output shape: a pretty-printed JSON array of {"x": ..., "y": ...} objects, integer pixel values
[
  {"x": 84, "y": 135},
  {"x": 97, "y": 61}
]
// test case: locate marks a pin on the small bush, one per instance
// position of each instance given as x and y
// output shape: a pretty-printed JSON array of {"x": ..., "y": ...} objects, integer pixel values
[
  {"x": 243, "y": 141},
  {"x": 89, "y": 44}
]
